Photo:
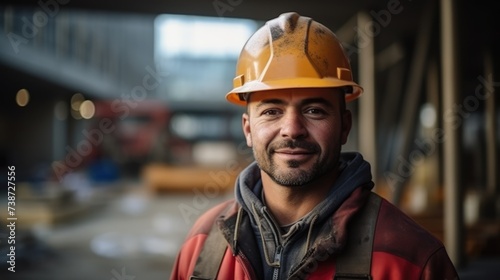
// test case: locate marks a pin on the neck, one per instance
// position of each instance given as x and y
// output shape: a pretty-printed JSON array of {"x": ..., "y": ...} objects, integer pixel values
[{"x": 289, "y": 204}]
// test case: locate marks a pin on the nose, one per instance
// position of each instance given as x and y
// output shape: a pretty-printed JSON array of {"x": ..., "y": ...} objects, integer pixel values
[{"x": 293, "y": 126}]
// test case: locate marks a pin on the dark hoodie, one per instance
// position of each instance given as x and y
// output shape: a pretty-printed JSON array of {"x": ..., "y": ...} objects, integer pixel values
[{"x": 283, "y": 250}]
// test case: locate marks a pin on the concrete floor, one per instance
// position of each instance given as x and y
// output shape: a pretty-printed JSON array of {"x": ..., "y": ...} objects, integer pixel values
[{"x": 129, "y": 235}]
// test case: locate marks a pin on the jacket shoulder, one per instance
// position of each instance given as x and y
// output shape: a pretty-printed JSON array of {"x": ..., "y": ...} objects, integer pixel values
[
  {"x": 204, "y": 223},
  {"x": 398, "y": 234},
  {"x": 195, "y": 239}
]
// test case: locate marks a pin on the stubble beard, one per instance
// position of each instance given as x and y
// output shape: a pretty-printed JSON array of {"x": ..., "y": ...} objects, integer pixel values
[{"x": 293, "y": 175}]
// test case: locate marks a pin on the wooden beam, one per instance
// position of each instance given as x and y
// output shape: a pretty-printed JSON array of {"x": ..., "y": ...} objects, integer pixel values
[
  {"x": 411, "y": 105},
  {"x": 491, "y": 127},
  {"x": 366, "y": 65},
  {"x": 453, "y": 222}
]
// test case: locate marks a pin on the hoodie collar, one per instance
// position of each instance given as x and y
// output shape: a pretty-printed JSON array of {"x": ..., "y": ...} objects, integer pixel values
[{"x": 355, "y": 172}]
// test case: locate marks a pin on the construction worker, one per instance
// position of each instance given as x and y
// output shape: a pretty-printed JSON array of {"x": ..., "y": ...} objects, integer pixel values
[{"x": 304, "y": 209}]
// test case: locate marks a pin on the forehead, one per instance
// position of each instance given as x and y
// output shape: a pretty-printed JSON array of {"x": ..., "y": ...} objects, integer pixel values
[{"x": 297, "y": 95}]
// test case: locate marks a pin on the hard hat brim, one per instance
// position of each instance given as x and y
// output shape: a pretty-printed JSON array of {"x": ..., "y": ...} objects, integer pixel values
[{"x": 253, "y": 86}]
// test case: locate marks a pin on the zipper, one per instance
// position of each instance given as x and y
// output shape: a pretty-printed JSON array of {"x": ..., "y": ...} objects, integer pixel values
[
  {"x": 246, "y": 266},
  {"x": 277, "y": 261},
  {"x": 277, "y": 239}
]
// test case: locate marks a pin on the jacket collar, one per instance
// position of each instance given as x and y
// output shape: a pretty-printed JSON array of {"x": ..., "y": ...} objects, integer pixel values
[
  {"x": 316, "y": 234},
  {"x": 355, "y": 172}
]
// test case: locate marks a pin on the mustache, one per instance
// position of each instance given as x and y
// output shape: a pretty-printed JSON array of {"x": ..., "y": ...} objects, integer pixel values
[{"x": 291, "y": 144}]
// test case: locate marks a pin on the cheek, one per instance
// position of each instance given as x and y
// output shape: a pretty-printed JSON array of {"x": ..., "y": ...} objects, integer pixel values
[
  {"x": 260, "y": 136},
  {"x": 329, "y": 138}
]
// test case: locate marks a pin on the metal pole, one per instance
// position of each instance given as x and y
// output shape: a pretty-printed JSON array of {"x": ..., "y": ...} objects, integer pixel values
[
  {"x": 452, "y": 161},
  {"x": 367, "y": 133}
]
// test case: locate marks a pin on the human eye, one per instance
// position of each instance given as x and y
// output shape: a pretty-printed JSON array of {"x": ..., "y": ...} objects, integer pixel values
[
  {"x": 270, "y": 112},
  {"x": 315, "y": 112}
]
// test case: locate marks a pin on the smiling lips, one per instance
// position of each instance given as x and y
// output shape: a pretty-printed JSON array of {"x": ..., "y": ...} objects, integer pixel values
[{"x": 293, "y": 154}]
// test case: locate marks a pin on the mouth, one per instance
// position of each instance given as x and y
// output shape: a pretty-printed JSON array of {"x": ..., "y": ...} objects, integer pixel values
[
  {"x": 296, "y": 151},
  {"x": 293, "y": 151},
  {"x": 293, "y": 154}
]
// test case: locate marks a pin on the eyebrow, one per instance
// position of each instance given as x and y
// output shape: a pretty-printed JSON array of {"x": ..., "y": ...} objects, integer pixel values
[
  {"x": 270, "y": 101},
  {"x": 319, "y": 100},
  {"x": 307, "y": 101}
]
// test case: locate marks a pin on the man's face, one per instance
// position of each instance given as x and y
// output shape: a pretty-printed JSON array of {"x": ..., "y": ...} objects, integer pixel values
[{"x": 296, "y": 134}]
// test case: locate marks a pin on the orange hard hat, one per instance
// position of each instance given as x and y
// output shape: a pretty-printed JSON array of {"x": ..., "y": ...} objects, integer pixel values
[{"x": 292, "y": 51}]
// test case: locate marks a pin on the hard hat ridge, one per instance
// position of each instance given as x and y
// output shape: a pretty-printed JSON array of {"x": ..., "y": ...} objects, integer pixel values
[{"x": 292, "y": 51}]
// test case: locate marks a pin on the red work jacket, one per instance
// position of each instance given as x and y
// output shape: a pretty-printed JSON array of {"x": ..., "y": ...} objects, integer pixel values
[{"x": 402, "y": 249}]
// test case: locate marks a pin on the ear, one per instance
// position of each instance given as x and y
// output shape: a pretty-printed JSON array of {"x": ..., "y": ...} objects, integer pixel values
[
  {"x": 245, "y": 123},
  {"x": 346, "y": 125}
]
